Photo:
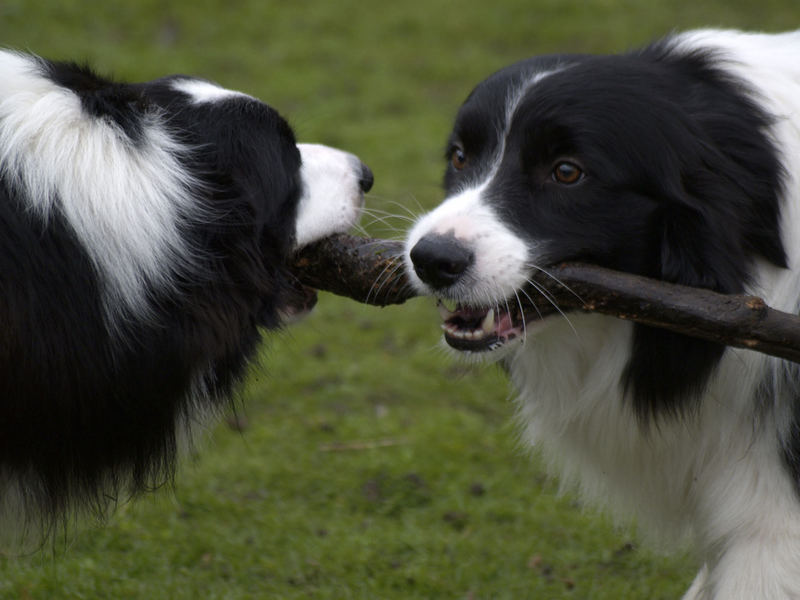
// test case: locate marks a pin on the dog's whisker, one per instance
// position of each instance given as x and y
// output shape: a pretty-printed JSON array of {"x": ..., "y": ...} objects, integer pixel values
[
  {"x": 360, "y": 229},
  {"x": 373, "y": 211},
  {"x": 382, "y": 242},
  {"x": 533, "y": 302},
  {"x": 544, "y": 292},
  {"x": 522, "y": 317},
  {"x": 385, "y": 227},
  {"x": 557, "y": 280},
  {"x": 411, "y": 214},
  {"x": 386, "y": 274},
  {"x": 379, "y": 216},
  {"x": 553, "y": 302}
]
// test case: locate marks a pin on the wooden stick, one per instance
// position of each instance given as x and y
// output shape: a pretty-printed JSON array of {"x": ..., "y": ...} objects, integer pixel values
[
  {"x": 365, "y": 269},
  {"x": 371, "y": 271},
  {"x": 733, "y": 320}
]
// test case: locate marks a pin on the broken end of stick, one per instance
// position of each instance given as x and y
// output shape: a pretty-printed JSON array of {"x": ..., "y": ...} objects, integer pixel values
[{"x": 367, "y": 270}]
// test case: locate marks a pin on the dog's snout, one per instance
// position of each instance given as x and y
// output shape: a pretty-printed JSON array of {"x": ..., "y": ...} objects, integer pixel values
[
  {"x": 366, "y": 178},
  {"x": 440, "y": 261}
]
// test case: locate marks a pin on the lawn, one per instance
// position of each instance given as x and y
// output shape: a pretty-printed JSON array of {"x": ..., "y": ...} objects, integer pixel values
[{"x": 362, "y": 461}]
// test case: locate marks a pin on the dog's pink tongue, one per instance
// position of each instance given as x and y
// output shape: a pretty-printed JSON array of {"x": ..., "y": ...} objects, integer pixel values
[{"x": 504, "y": 325}]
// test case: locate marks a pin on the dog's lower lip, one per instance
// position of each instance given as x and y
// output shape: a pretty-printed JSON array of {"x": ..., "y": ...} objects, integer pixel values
[{"x": 486, "y": 344}]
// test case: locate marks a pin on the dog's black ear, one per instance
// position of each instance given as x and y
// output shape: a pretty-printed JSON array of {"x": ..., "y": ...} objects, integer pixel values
[
  {"x": 700, "y": 248},
  {"x": 667, "y": 371}
]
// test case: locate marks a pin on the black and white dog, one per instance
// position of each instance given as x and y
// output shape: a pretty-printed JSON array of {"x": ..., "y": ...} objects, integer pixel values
[
  {"x": 681, "y": 162},
  {"x": 144, "y": 237}
]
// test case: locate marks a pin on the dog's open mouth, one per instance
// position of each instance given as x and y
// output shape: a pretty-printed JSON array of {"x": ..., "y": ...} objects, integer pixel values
[
  {"x": 484, "y": 329},
  {"x": 472, "y": 329},
  {"x": 480, "y": 329}
]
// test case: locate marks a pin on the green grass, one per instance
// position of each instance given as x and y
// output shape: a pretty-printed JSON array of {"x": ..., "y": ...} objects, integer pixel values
[{"x": 364, "y": 463}]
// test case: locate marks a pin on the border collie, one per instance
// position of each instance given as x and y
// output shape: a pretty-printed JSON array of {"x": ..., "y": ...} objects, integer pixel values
[
  {"x": 144, "y": 237},
  {"x": 680, "y": 162}
]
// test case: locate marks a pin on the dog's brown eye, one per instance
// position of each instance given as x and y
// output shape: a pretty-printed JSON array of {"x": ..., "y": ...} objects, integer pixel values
[
  {"x": 458, "y": 159},
  {"x": 567, "y": 173}
]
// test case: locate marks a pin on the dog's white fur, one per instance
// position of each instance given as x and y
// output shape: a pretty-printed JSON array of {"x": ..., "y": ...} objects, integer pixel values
[
  {"x": 744, "y": 516},
  {"x": 327, "y": 173}
]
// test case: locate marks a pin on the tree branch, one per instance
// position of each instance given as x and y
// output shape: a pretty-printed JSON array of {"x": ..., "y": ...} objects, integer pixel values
[
  {"x": 371, "y": 271},
  {"x": 367, "y": 270}
]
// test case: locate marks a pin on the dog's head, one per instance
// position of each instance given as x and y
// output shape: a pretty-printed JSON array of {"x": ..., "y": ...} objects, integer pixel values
[
  {"x": 655, "y": 163},
  {"x": 164, "y": 182},
  {"x": 256, "y": 175}
]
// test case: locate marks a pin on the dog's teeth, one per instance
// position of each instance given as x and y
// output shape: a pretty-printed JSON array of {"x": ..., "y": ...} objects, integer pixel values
[
  {"x": 451, "y": 330},
  {"x": 482, "y": 331},
  {"x": 487, "y": 325}
]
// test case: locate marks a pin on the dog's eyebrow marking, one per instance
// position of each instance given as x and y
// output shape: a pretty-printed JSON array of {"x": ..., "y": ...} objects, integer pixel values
[
  {"x": 202, "y": 91},
  {"x": 516, "y": 93},
  {"x": 513, "y": 100},
  {"x": 521, "y": 90}
]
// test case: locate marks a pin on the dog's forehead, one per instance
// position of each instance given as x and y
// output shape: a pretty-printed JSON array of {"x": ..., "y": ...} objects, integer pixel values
[
  {"x": 496, "y": 97},
  {"x": 208, "y": 113},
  {"x": 607, "y": 85},
  {"x": 180, "y": 94}
]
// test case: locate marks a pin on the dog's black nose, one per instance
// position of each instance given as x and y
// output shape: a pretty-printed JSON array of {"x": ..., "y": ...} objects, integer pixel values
[
  {"x": 366, "y": 179},
  {"x": 440, "y": 260}
]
